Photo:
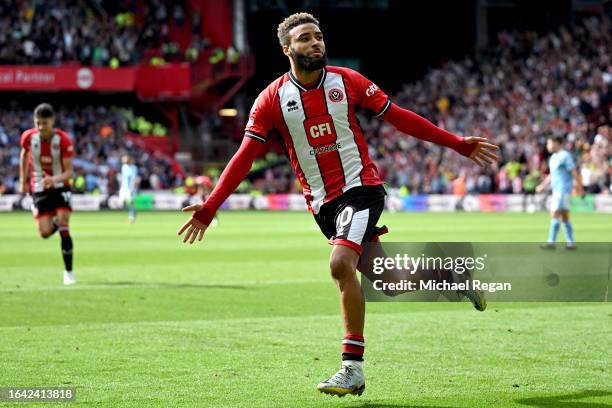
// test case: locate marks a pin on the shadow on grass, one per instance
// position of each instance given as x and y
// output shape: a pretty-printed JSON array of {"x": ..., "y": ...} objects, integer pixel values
[
  {"x": 556, "y": 401},
  {"x": 567, "y": 400},
  {"x": 154, "y": 285}
]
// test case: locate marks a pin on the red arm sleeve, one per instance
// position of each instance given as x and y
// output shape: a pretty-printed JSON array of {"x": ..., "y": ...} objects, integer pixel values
[
  {"x": 65, "y": 144},
  {"x": 414, "y": 125},
  {"x": 25, "y": 140},
  {"x": 234, "y": 173}
]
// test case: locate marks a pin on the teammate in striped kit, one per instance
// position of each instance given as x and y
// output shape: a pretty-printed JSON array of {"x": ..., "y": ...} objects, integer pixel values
[
  {"x": 46, "y": 153},
  {"x": 312, "y": 110}
]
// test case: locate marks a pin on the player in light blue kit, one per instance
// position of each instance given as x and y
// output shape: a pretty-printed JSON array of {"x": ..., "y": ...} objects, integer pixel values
[
  {"x": 129, "y": 181},
  {"x": 561, "y": 177}
]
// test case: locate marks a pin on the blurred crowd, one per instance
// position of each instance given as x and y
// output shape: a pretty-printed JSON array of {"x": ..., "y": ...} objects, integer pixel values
[
  {"x": 98, "y": 134},
  {"x": 43, "y": 32},
  {"x": 39, "y": 32},
  {"x": 516, "y": 94}
]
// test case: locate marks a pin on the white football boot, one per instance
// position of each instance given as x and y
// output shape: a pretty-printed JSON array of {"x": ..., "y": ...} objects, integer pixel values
[
  {"x": 348, "y": 380},
  {"x": 69, "y": 278}
]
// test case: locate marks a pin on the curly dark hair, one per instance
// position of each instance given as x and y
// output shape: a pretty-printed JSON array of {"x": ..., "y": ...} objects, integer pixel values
[{"x": 293, "y": 20}]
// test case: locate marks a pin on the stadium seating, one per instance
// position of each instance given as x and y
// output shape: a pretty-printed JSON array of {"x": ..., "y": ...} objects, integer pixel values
[{"x": 516, "y": 93}]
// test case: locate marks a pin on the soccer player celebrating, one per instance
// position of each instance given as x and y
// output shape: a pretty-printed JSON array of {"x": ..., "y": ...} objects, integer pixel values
[
  {"x": 46, "y": 153},
  {"x": 312, "y": 110},
  {"x": 561, "y": 176},
  {"x": 127, "y": 191}
]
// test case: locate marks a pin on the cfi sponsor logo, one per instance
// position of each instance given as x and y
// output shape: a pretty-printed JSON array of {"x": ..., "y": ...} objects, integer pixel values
[
  {"x": 371, "y": 90},
  {"x": 336, "y": 95},
  {"x": 320, "y": 130},
  {"x": 292, "y": 106}
]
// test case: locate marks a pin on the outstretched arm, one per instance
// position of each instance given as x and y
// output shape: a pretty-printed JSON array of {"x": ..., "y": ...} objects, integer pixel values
[
  {"x": 234, "y": 173},
  {"x": 476, "y": 148},
  {"x": 23, "y": 171}
]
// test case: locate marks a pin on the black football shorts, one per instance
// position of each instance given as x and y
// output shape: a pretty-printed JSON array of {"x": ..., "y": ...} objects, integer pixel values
[
  {"x": 46, "y": 203},
  {"x": 351, "y": 218}
]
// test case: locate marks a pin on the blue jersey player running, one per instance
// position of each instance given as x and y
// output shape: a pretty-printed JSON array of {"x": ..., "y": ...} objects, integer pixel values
[
  {"x": 562, "y": 173},
  {"x": 127, "y": 192}
]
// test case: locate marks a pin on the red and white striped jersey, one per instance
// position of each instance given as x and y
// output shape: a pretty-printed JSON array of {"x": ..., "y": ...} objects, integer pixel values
[
  {"x": 320, "y": 130},
  {"x": 45, "y": 156}
]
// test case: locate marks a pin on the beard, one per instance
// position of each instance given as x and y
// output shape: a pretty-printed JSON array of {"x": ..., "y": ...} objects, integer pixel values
[{"x": 309, "y": 64}]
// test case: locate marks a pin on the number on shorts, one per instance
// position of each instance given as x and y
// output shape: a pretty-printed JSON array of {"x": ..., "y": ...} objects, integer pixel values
[
  {"x": 344, "y": 219},
  {"x": 67, "y": 197}
]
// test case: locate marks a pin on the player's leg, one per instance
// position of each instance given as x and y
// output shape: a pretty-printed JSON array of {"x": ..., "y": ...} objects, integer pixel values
[
  {"x": 347, "y": 223},
  {"x": 350, "y": 378},
  {"x": 343, "y": 264},
  {"x": 127, "y": 198},
  {"x": 568, "y": 230},
  {"x": 45, "y": 224},
  {"x": 375, "y": 249},
  {"x": 43, "y": 210},
  {"x": 63, "y": 209},
  {"x": 63, "y": 222},
  {"x": 556, "y": 206},
  {"x": 131, "y": 210},
  {"x": 554, "y": 227}
]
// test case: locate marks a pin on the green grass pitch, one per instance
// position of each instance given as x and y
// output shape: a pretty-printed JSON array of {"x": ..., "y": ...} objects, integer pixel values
[{"x": 250, "y": 318}]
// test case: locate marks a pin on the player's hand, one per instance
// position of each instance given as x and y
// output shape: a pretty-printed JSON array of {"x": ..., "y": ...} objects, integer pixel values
[
  {"x": 485, "y": 153},
  {"x": 539, "y": 188},
  {"x": 195, "y": 229},
  {"x": 48, "y": 182},
  {"x": 579, "y": 190}
]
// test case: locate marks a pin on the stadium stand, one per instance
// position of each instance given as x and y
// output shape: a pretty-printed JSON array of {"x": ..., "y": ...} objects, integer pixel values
[{"x": 516, "y": 93}]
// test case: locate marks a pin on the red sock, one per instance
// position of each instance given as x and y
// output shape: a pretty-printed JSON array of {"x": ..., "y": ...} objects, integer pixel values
[{"x": 352, "y": 347}]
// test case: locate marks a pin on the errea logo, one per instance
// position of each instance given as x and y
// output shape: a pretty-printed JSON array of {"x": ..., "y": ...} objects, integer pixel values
[
  {"x": 292, "y": 106},
  {"x": 371, "y": 89}
]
